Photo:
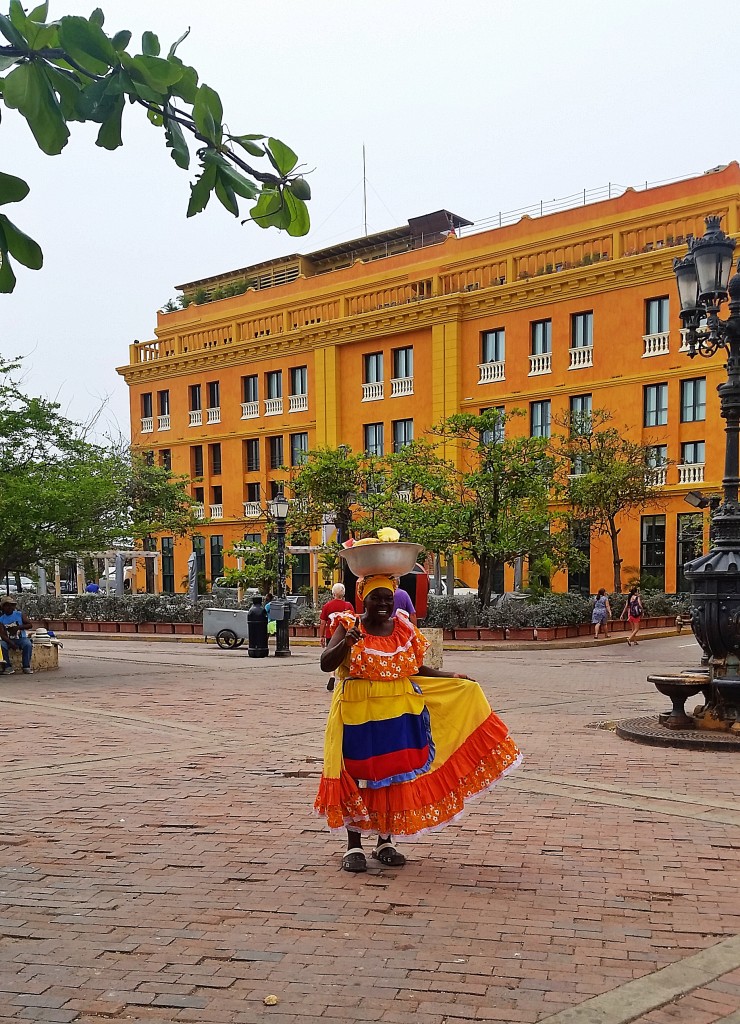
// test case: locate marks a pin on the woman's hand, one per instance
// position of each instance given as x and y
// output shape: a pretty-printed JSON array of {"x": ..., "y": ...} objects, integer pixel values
[
  {"x": 460, "y": 675},
  {"x": 353, "y": 635}
]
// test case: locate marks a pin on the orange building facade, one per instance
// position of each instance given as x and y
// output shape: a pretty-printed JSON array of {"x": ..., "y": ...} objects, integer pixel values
[{"x": 372, "y": 342}]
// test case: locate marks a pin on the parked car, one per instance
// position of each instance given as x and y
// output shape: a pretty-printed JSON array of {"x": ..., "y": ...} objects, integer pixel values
[
  {"x": 9, "y": 585},
  {"x": 461, "y": 587}
]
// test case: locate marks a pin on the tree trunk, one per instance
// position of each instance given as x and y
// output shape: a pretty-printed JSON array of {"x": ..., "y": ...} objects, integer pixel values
[
  {"x": 486, "y": 566},
  {"x": 616, "y": 560}
]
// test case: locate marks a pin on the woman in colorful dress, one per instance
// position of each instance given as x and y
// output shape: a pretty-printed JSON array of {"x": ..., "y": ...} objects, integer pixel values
[{"x": 406, "y": 746}]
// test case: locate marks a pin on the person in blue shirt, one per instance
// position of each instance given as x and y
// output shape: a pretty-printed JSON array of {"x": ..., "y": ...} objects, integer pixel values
[
  {"x": 92, "y": 588},
  {"x": 13, "y": 636}
]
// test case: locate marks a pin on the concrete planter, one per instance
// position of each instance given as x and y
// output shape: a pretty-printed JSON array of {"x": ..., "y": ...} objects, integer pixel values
[
  {"x": 305, "y": 631},
  {"x": 466, "y": 634},
  {"x": 521, "y": 634},
  {"x": 448, "y": 634},
  {"x": 146, "y": 627},
  {"x": 126, "y": 627},
  {"x": 490, "y": 634},
  {"x": 74, "y": 625},
  {"x": 90, "y": 627},
  {"x": 546, "y": 633},
  {"x": 108, "y": 627},
  {"x": 167, "y": 628},
  {"x": 184, "y": 628}
]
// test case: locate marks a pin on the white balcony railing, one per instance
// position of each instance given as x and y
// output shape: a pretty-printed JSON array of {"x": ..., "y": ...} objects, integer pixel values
[
  {"x": 217, "y": 511},
  {"x": 213, "y": 415},
  {"x": 163, "y": 422},
  {"x": 372, "y": 392},
  {"x": 196, "y": 417},
  {"x": 580, "y": 357},
  {"x": 198, "y": 511},
  {"x": 147, "y": 424},
  {"x": 402, "y": 386},
  {"x": 403, "y": 495},
  {"x": 691, "y": 473},
  {"x": 252, "y": 509},
  {"x": 657, "y": 476},
  {"x": 684, "y": 340},
  {"x": 297, "y": 403},
  {"x": 490, "y": 372},
  {"x": 656, "y": 344},
  {"x": 250, "y": 410},
  {"x": 273, "y": 406},
  {"x": 540, "y": 364}
]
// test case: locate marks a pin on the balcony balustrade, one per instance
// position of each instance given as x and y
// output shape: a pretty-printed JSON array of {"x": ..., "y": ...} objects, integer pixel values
[
  {"x": 581, "y": 357},
  {"x": 540, "y": 364},
  {"x": 273, "y": 406},
  {"x": 491, "y": 372},
  {"x": 656, "y": 344},
  {"x": 147, "y": 424},
  {"x": 402, "y": 386},
  {"x": 213, "y": 415},
  {"x": 217, "y": 511},
  {"x": 691, "y": 473},
  {"x": 250, "y": 410},
  {"x": 297, "y": 403},
  {"x": 252, "y": 509},
  {"x": 372, "y": 392},
  {"x": 657, "y": 476},
  {"x": 198, "y": 511},
  {"x": 163, "y": 422},
  {"x": 196, "y": 417}
]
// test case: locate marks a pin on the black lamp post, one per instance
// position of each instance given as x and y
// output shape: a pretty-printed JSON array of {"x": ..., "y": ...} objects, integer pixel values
[
  {"x": 704, "y": 284},
  {"x": 279, "y": 507}
]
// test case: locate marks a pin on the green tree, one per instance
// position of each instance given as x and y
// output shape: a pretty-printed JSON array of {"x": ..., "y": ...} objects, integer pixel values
[
  {"x": 156, "y": 500},
  {"x": 259, "y": 565},
  {"x": 339, "y": 486},
  {"x": 492, "y": 506},
  {"x": 604, "y": 476},
  {"x": 70, "y": 70}
]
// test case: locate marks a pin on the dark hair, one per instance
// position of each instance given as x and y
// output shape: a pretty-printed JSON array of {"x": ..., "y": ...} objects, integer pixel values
[
  {"x": 633, "y": 591},
  {"x": 602, "y": 590}
]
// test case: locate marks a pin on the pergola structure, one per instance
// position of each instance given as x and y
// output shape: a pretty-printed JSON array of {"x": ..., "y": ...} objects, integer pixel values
[{"x": 109, "y": 558}]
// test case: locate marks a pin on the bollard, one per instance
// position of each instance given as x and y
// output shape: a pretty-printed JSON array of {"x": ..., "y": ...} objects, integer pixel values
[{"x": 257, "y": 629}]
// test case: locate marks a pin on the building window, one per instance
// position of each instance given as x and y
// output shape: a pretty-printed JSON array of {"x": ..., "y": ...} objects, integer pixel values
[
  {"x": 373, "y": 363},
  {"x": 656, "y": 405},
  {"x": 214, "y": 394},
  {"x": 493, "y": 346},
  {"x": 196, "y": 460},
  {"x": 579, "y": 582},
  {"x": 194, "y": 397},
  {"x": 539, "y": 413},
  {"x": 199, "y": 548},
  {"x": 275, "y": 384},
  {"x": 403, "y": 362},
  {"x": 541, "y": 337},
  {"x": 692, "y": 453},
  {"x": 149, "y": 458},
  {"x": 217, "y": 495},
  {"x": 298, "y": 449},
  {"x": 276, "y": 489},
  {"x": 657, "y": 456},
  {"x": 652, "y": 552},
  {"x": 693, "y": 399},
  {"x": 298, "y": 380},
  {"x": 275, "y": 448},
  {"x": 580, "y": 414},
  {"x": 168, "y": 565},
  {"x": 217, "y": 556},
  {"x": 165, "y": 458},
  {"x": 163, "y": 403},
  {"x": 214, "y": 458},
  {"x": 373, "y": 439},
  {"x": 582, "y": 330},
  {"x": 656, "y": 315},
  {"x": 498, "y": 433},
  {"x": 689, "y": 545},
  {"x": 147, "y": 410},
  {"x": 253, "y": 493},
  {"x": 250, "y": 388},
  {"x": 300, "y": 574},
  {"x": 403, "y": 434},
  {"x": 252, "y": 455},
  {"x": 252, "y": 538},
  {"x": 199, "y": 494}
]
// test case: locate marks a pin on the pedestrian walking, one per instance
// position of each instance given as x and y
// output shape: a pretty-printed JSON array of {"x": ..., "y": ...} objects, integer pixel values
[
  {"x": 601, "y": 614},
  {"x": 633, "y": 612},
  {"x": 328, "y": 618}
]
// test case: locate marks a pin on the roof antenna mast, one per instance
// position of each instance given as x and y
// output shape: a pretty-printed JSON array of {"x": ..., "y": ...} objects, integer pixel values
[{"x": 364, "y": 188}]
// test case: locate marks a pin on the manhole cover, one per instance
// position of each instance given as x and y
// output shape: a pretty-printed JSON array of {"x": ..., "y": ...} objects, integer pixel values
[{"x": 649, "y": 730}]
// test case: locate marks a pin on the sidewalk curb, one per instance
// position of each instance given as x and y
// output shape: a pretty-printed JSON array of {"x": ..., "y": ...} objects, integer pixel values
[{"x": 581, "y": 643}]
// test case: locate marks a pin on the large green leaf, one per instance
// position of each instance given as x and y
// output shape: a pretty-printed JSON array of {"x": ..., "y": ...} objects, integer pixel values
[
  {"x": 281, "y": 156},
  {"x": 97, "y": 18},
  {"x": 300, "y": 220},
  {"x": 177, "y": 42},
  {"x": 208, "y": 113},
  {"x": 12, "y": 189},
  {"x": 109, "y": 136},
  {"x": 175, "y": 141},
  {"x": 7, "y": 62},
  {"x": 270, "y": 211},
  {"x": 7, "y": 277},
  {"x": 39, "y": 14},
  {"x": 186, "y": 87},
  {"x": 11, "y": 33},
  {"x": 200, "y": 192},
  {"x": 67, "y": 87},
  {"x": 23, "y": 248},
  {"x": 248, "y": 142},
  {"x": 87, "y": 44},
  {"x": 225, "y": 194},
  {"x": 121, "y": 40},
  {"x": 27, "y": 90},
  {"x": 150, "y": 44},
  {"x": 18, "y": 16},
  {"x": 236, "y": 181},
  {"x": 157, "y": 73}
]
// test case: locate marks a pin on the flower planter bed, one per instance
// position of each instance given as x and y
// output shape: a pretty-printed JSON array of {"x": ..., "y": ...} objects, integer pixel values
[
  {"x": 108, "y": 627},
  {"x": 167, "y": 628},
  {"x": 146, "y": 627},
  {"x": 184, "y": 628},
  {"x": 74, "y": 625},
  {"x": 526, "y": 633},
  {"x": 490, "y": 634},
  {"x": 466, "y": 634},
  {"x": 126, "y": 627}
]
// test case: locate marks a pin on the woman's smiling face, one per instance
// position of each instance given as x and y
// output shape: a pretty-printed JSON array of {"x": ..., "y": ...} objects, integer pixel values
[{"x": 379, "y": 603}]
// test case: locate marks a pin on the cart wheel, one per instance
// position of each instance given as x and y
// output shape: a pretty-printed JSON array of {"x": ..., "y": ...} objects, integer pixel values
[
  {"x": 227, "y": 640},
  {"x": 239, "y": 642}
]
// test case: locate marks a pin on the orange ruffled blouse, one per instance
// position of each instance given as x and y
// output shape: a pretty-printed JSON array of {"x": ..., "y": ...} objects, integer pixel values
[{"x": 395, "y": 656}]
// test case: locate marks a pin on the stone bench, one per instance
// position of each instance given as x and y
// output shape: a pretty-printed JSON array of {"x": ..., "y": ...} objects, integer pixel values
[{"x": 43, "y": 659}]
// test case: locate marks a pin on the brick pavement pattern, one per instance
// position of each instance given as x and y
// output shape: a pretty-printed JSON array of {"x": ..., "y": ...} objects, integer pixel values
[{"x": 159, "y": 861}]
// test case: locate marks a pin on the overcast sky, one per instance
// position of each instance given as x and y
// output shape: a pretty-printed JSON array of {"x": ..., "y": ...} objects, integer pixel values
[{"x": 476, "y": 106}]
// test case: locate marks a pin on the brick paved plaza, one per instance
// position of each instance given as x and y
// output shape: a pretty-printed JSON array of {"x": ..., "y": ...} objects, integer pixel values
[{"x": 159, "y": 861}]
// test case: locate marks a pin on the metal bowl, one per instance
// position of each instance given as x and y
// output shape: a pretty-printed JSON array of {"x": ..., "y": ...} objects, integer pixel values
[{"x": 391, "y": 559}]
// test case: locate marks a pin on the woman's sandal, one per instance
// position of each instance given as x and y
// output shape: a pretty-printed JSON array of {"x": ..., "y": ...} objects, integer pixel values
[
  {"x": 387, "y": 854},
  {"x": 354, "y": 860}
]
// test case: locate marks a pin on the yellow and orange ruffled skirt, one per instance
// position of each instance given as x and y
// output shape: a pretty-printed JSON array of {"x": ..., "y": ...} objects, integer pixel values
[{"x": 402, "y": 757}]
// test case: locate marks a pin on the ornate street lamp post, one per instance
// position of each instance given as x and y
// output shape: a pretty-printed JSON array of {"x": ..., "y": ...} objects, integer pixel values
[
  {"x": 703, "y": 278},
  {"x": 279, "y": 507}
]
